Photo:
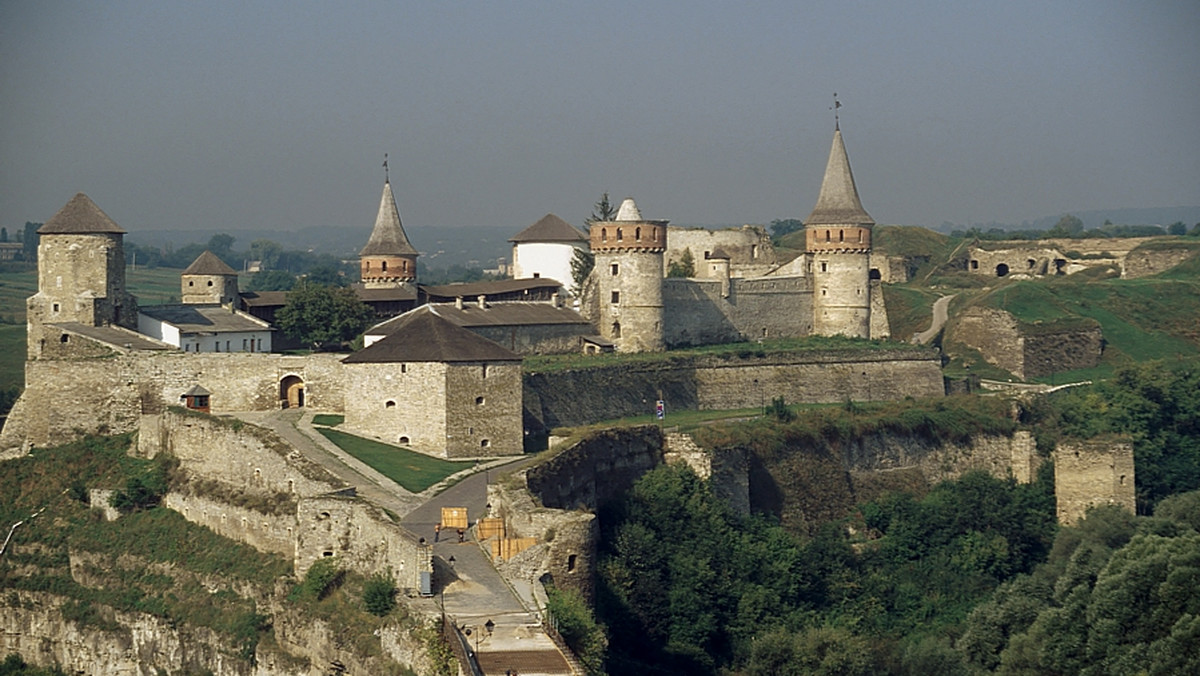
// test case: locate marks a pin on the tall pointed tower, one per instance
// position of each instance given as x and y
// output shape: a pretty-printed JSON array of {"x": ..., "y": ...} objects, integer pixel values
[
  {"x": 388, "y": 260},
  {"x": 838, "y": 243},
  {"x": 81, "y": 273},
  {"x": 629, "y": 278}
]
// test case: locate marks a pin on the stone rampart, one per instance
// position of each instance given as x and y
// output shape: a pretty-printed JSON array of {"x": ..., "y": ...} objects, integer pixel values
[
  {"x": 598, "y": 469},
  {"x": 749, "y": 245},
  {"x": 65, "y": 399},
  {"x": 1144, "y": 262},
  {"x": 1027, "y": 350},
  {"x": 363, "y": 538},
  {"x": 695, "y": 312},
  {"x": 275, "y": 533},
  {"x": 583, "y": 396}
]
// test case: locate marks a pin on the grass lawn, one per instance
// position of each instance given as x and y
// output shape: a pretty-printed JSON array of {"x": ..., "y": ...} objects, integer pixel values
[
  {"x": 12, "y": 355},
  {"x": 414, "y": 471},
  {"x": 328, "y": 419}
]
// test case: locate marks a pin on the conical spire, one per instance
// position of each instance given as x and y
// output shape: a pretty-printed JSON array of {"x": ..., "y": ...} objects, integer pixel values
[
  {"x": 80, "y": 216},
  {"x": 388, "y": 238},
  {"x": 838, "y": 203},
  {"x": 629, "y": 211}
]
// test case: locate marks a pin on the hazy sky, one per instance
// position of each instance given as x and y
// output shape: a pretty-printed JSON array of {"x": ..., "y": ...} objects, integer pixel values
[{"x": 277, "y": 114}]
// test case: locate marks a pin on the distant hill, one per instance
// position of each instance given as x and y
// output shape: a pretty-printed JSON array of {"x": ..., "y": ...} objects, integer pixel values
[{"x": 1163, "y": 216}]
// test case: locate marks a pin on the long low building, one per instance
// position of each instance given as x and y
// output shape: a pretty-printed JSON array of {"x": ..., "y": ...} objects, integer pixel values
[
  {"x": 205, "y": 328},
  {"x": 523, "y": 327}
]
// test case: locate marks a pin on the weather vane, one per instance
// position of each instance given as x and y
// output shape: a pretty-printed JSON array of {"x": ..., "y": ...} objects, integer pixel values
[
  {"x": 836, "y": 104},
  {"x": 386, "y": 176}
]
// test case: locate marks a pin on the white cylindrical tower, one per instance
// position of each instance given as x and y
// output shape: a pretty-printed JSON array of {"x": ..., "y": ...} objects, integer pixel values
[{"x": 629, "y": 277}]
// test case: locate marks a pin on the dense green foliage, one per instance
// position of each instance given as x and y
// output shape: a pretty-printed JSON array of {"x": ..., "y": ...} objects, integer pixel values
[
  {"x": 317, "y": 314},
  {"x": 379, "y": 594},
  {"x": 1117, "y": 596},
  {"x": 322, "y": 578},
  {"x": 14, "y": 665},
  {"x": 1157, "y": 407},
  {"x": 688, "y": 587},
  {"x": 684, "y": 267},
  {"x": 575, "y": 622}
]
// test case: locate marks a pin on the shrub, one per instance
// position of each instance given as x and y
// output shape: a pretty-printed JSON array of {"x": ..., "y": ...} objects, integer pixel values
[
  {"x": 779, "y": 410},
  {"x": 379, "y": 594},
  {"x": 322, "y": 578}
]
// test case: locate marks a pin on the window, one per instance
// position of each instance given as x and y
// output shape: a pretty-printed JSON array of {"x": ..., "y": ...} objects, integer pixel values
[
  {"x": 615, "y": 269},
  {"x": 537, "y": 275},
  {"x": 616, "y": 297},
  {"x": 479, "y": 401},
  {"x": 404, "y": 368},
  {"x": 191, "y": 283},
  {"x": 404, "y": 440},
  {"x": 63, "y": 338},
  {"x": 841, "y": 235},
  {"x": 616, "y": 330},
  {"x": 483, "y": 370},
  {"x": 243, "y": 345},
  {"x": 603, "y": 234},
  {"x": 55, "y": 307},
  {"x": 637, "y": 234},
  {"x": 827, "y": 236},
  {"x": 571, "y": 563},
  {"x": 824, "y": 266},
  {"x": 484, "y": 443},
  {"x": 390, "y": 404},
  {"x": 383, "y": 266},
  {"x": 619, "y": 235}
]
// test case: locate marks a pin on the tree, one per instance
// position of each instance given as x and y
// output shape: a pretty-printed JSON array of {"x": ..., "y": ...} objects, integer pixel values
[
  {"x": 326, "y": 275},
  {"x": 1195, "y": 231},
  {"x": 581, "y": 266},
  {"x": 3, "y": 234},
  {"x": 30, "y": 242},
  {"x": 782, "y": 226},
  {"x": 684, "y": 267},
  {"x": 317, "y": 314},
  {"x": 603, "y": 210},
  {"x": 266, "y": 252},
  {"x": 1177, "y": 228},
  {"x": 271, "y": 280},
  {"x": 379, "y": 594},
  {"x": 1067, "y": 226}
]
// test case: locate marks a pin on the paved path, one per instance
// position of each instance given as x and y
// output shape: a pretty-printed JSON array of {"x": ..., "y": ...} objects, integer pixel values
[
  {"x": 940, "y": 315},
  {"x": 470, "y": 589}
]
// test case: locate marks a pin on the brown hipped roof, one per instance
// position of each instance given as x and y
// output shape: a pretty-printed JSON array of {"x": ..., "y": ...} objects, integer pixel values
[
  {"x": 80, "y": 216},
  {"x": 550, "y": 228},
  {"x": 426, "y": 337},
  {"x": 838, "y": 202},
  {"x": 208, "y": 263},
  {"x": 388, "y": 237}
]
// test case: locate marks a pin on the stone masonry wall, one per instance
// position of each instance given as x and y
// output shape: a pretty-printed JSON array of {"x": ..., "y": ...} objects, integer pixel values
[
  {"x": 747, "y": 246},
  {"x": 1090, "y": 474},
  {"x": 362, "y": 536},
  {"x": 1146, "y": 262},
  {"x": 994, "y": 333},
  {"x": 695, "y": 313},
  {"x": 598, "y": 469},
  {"x": 65, "y": 399}
]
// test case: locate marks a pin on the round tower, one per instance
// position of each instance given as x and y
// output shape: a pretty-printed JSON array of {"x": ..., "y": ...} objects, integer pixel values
[
  {"x": 208, "y": 280},
  {"x": 838, "y": 245},
  {"x": 388, "y": 260},
  {"x": 629, "y": 276}
]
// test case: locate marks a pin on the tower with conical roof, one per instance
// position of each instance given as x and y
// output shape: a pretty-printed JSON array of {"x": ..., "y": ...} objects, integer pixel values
[
  {"x": 628, "y": 273},
  {"x": 388, "y": 260},
  {"x": 838, "y": 244},
  {"x": 81, "y": 273},
  {"x": 208, "y": 280}
]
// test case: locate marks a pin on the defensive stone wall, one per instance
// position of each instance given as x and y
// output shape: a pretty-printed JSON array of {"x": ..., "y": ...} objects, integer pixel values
[
  {"x": 1091, "y": 474},
  {"x": 274, "y": 533},
  {"x": 749, "y": 245},
  {"x": 1027, "y": 351},
  {"x": 1145, "y": 262},
  {"x": 596, "y": 470},
  {"x": 583, "y": 396},
  {"x": 1038, "y": 258},
  {"x": 362, "y": 536},
  {"x": 66, "y": 399},
  {"x": 543, "y": 339},
  {"x": 695, "y": 312}
]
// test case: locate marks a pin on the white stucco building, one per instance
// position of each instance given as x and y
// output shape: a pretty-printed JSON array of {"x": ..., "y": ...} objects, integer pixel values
[{"x": 545, "y": 249}]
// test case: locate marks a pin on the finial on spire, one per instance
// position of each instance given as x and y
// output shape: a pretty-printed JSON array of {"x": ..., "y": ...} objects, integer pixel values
[
  {"x": 836, "y": 104},
  {"x": 386, "y": 176}
]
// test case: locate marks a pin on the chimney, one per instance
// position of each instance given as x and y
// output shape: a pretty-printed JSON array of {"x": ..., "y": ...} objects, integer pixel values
[
  {"x": 458, "y": 302},
  {"x": 482, "y": 302}
]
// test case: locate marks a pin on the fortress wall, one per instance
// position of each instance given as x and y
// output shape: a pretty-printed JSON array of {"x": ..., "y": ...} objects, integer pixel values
[
  {"x": 483, "y": 403},
  {"x": 419, "y": 392},
  {"x": 363, "y": 538},
  {"x": 994, "y": 333},
  {"x": 265, "y": 532},
  {"x": 596, "y": 470},
  {"x": 694, "y": 313},
  {"x": 747, "y": 245},
  {"x": 1143, "y": 263},
  {"x": 880, "y": 328},
  {"x": 995, "y": 454},
  {"x": 247, "y": 458},
  {"x": 65, "y": 399},
  {"x": 584, "y": 396},
  {"x": 543, "y": 339}
]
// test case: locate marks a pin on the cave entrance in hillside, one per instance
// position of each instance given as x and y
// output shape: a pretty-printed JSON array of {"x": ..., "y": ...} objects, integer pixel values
[
  {"x": 291, "y": 392},
  {"x": 1002, "y": 270}
]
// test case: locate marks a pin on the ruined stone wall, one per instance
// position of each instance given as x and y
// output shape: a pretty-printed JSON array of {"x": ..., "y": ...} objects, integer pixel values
[
  {"x": 880, "y": 328},
  {"x": 749, "y": 245},
  {"x": 1048, "y": 352},
  {"x": 1091, "y": 474},
  {"x": 275, "y": 533},
  {"x": 727, "y": 469},
  {"x": 994, "y": 333},
  {"x": 584, "y": 396},
  {"x": 696, "y": 313},
  {"x": 598, "y": 469},
  {"x": 362, "y": 536},
  {"x": 892, "y": 269},
  {"x": 65, "y": 399},
  {"x": 1146, "y": 262}
]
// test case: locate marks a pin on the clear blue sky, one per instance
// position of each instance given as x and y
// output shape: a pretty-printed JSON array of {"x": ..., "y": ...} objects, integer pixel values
[{"x": 184, "y": 115}]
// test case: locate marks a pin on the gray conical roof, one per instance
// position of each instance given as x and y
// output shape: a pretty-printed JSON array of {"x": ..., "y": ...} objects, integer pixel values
[
  {"x": 208, "y": 263},
  {"x": 80, "y": 216},
  {"x": 550, "y": 228},
  {"x": 838, "y": 203},
  {"x": 388, "y": 238}
]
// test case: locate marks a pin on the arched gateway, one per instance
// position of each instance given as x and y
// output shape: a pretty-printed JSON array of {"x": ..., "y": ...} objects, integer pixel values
[{"x": 291, "y": 392}]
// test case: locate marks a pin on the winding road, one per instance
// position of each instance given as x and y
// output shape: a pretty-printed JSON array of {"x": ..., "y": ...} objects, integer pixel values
[{"x": 940, "y": 315}]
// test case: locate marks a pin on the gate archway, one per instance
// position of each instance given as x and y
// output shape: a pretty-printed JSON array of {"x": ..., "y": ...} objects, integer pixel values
[{"x": 291, "y": 392}]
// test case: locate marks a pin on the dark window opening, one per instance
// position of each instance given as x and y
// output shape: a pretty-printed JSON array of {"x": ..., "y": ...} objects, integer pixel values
[
  {"x": 874, "y": 274},
  {"x": 1002, "y": 270},
  {"x": 615, "y": 268},
  {"x": 479, "y": 401},
  {"x": 404, "y": 440},
  {"x": 64, "y": 338},
  {"x": 571, "y": 563},
  {"x": 484, "y": 443},
  {"x": 390, "y": 404},
  {"x": 616, "y": 297}
]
